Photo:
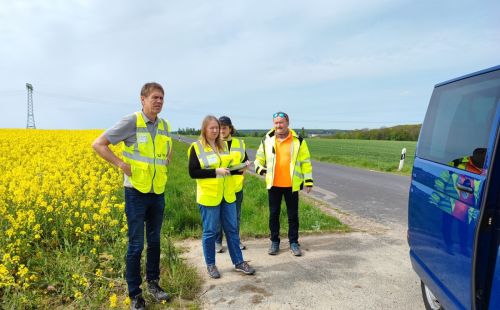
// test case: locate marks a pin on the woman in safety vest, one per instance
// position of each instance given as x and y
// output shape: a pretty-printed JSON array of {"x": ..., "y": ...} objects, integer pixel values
[{"x": 209, "y": 164}]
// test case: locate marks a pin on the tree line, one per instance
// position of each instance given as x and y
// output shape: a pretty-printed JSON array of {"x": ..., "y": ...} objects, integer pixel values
[{"x": 396, "y": 133}]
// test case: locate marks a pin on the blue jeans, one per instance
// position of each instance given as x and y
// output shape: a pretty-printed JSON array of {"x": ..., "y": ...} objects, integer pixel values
[
  {"x": 239, "y": 200},
  {"x": 224, "y": 213},
  {"x": 142, "y": 210}
]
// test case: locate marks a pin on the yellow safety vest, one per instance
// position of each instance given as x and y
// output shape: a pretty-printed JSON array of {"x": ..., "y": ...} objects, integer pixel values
[
  {"x": 238, "y": 155},
  {"x": 300, "y": 164},
  {"x": 148, "y": 158},
  {"x": 210, "y": 191}
]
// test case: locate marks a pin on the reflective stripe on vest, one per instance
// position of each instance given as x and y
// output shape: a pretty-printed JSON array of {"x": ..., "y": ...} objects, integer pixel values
[
  {"x": 300, "y": 165},
  {"x": 238, "y": 155},
  {"x": 211, "y": 191},
  {"x": 148, "y": 158},
  {"x": 204, "y": 156},
  {"x": 238, "y": 147}
]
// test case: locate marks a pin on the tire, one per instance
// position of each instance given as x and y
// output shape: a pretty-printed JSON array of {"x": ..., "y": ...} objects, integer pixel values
[{"x": 430, "y": 301}]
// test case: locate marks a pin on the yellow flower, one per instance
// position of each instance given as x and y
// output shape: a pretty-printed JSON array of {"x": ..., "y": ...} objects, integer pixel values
[
  {"x": 112, "y": 301},
  {"x": 98, "y": 272},
  {"x": 77, "y": 294},
  {"x": 22, "y": 271},
  {"x": 9, "y": 232},
  {"x": 6, "y": 278},
  {"x": 54, "y": 188}
]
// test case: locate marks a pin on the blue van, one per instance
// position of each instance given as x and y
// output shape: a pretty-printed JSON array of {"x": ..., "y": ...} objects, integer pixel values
[{"x": 454, "y": 203}]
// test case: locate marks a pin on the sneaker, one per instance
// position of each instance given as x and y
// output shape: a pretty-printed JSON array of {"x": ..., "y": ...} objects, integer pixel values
[
  {"x": 245, "y": 268},
  {"x": 274, "y": 248},
  {"x": 242, "y": 246},
  {"x": 157, "y": 292},
  {"x": 213, "y": 272},
  {"x": 295, "y": 248},
  {"x": 137, "y": 303},
  {"x": 219, "y": 248}
]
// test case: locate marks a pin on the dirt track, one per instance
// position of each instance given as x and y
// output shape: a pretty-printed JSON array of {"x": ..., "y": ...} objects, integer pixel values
[{"x": 358, "y": 270}]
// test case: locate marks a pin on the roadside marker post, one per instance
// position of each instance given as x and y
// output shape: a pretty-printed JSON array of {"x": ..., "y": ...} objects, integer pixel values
[{"x": 402, "y": 160}]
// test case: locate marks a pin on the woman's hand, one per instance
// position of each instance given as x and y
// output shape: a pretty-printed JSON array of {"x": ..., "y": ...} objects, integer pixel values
[
  {"x": 222, "y": 171},
  {"x": 247, "y": 163}
]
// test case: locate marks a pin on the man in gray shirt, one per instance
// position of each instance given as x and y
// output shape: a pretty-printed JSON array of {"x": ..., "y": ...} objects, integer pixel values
[{"x": 146, "y": 154}]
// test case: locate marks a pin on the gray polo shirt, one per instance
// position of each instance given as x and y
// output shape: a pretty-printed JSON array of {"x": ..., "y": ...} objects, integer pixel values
[{"x": 125, "y": 130}]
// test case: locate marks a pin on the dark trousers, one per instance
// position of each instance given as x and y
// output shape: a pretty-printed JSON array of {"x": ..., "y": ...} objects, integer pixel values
[
  {"x": 142, "y": 210},
  {"x": 292, "y": 207}
]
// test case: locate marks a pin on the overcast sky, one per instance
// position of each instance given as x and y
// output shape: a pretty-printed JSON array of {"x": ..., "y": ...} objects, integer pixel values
[{"x": 328, "y": 64}]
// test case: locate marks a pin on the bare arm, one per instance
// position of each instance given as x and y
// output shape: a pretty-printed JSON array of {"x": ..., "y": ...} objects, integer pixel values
[{"x": 101, "y": 146}]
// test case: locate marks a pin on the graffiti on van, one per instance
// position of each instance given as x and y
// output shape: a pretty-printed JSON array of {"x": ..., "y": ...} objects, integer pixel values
[{"x": 454, "y": 201}]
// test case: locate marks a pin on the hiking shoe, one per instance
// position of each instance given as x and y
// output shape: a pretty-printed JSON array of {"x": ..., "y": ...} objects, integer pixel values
[
  {"x": 242, "y": 246},
  {"x": 245, "y": 268},
  {"x": 219, "y": 248},
  {"x": 157, "y": 292},
  {"x": 137, "y": 303},
  {"x": 274, "y": 248},
  {"x": 213, "y": 272},
  {"x": 295, "y": 248}
]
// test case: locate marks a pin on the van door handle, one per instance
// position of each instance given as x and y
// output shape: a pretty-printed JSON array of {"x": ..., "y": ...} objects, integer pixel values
[{"x": 464, "y": 188}]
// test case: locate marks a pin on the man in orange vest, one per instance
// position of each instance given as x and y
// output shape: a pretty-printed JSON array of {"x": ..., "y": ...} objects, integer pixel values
[{"x": 283, "y": 157}]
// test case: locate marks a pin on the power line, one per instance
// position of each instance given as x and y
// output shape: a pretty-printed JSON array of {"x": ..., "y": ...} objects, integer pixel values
[
  {"x": 79, "y": 98},
  {"x": 11, "y": 92}
]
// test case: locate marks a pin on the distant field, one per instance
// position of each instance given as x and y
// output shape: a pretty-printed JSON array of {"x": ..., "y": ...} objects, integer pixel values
[{"x": 370, "y": 154}]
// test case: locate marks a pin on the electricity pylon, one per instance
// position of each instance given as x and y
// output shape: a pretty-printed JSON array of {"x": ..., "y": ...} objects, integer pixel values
[{"x": 31, "y": 117}]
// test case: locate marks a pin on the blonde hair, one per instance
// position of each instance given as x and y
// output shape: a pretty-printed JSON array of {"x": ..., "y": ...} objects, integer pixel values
[{"x": 219, "y": 144}]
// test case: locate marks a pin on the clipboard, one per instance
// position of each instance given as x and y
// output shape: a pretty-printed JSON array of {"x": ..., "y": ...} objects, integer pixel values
[{"x": 237, "y": 167}]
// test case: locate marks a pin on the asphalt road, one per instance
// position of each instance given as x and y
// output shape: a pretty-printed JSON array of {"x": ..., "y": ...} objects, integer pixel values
[{"x": 375, "y": 195}]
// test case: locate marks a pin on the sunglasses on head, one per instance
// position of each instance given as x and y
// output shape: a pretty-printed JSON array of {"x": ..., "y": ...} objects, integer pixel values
[{"x": 280, "y": 114}]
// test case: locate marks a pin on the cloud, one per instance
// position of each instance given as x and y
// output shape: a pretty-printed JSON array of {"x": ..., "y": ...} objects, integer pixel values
[{"x": 243, "y": 58}]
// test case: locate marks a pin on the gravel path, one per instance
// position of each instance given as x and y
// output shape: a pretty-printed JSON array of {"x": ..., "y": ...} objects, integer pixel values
[{"x": 367, "y": 269}]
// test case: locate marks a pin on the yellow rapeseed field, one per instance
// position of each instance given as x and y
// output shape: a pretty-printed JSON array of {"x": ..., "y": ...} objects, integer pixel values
[{"x": 62, "y": 220}]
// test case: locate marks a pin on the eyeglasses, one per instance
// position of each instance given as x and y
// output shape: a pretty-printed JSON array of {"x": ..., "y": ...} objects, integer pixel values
[{"x": 280, "y": 114}]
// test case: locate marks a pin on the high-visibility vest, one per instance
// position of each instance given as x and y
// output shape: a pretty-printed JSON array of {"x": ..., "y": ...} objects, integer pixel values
[
  {"x": 466, "y": 163},
  {"x": 237, "y": 151},
  {"x": 300, "y": 163},
  {"x": 148, "y": 158},
  {"x": 210, "y": 191}
]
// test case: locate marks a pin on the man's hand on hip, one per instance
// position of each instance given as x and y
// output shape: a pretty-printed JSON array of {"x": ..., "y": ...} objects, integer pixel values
[{"x": 126, "y": 168}]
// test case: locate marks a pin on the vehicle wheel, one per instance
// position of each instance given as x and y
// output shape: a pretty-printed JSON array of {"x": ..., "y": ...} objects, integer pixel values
[{"x": 430, "y": 301}]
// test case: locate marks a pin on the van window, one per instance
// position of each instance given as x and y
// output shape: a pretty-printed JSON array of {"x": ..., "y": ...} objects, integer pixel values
[{"x": 458, "y": 122}]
